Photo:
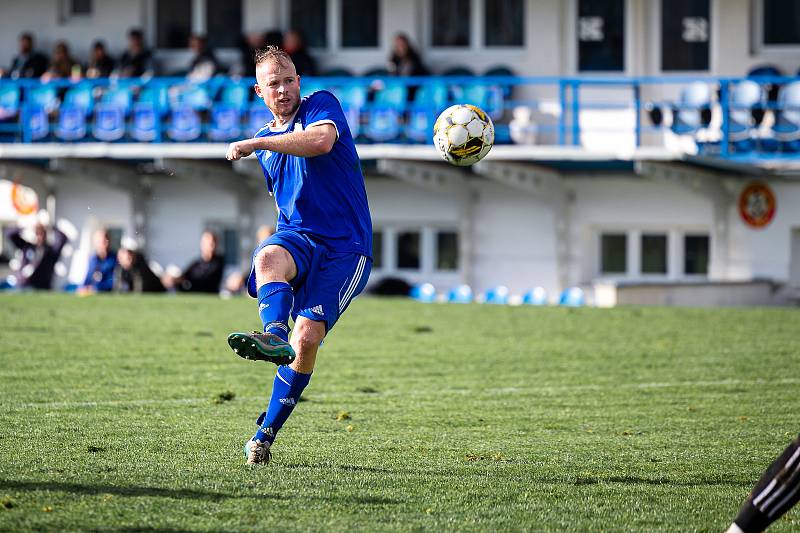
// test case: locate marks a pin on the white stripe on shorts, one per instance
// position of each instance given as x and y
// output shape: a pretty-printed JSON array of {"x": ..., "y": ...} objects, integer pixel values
[{"x": 353, "y": 284}]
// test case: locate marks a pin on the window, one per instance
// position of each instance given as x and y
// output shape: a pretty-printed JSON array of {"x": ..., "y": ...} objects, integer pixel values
[
  {"x": 654, "y": 254},
  {"x": 223, "y": 22},
  {"x": 377, "y": 249},
  {"x": 310, "y": 17},
  {"x": 601, "y": 35},
  {"x": 503, "y": 22},
  {"x": 114, "y": 236},
  {"x": 450, "y": 22},
  {"x": 781, "y": 22},
  {"x": 446, "y": 250},
  {"x": 408, "y": 249},
  {"x": 173, "y": 23},
  {"x": 360, "y": 21},
  {"x": 685, "y": 30},
  {"x": 613, "y": 253},
  {"x": 695, "y": 253},
  {"x": 80, "y": 7}
]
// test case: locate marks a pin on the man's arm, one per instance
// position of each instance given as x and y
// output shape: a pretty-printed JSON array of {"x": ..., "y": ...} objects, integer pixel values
[{"x": 315, "y": 141}]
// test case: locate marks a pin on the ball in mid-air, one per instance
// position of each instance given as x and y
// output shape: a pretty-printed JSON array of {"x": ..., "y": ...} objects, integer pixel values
[{"x": 463, "y": 134}]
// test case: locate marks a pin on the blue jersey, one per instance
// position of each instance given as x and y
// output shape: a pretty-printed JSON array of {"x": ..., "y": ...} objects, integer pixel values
[{"x": 324, "y": 196}]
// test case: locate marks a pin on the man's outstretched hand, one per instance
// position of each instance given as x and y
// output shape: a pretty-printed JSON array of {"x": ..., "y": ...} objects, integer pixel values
[{"x": 240, "y": 149}]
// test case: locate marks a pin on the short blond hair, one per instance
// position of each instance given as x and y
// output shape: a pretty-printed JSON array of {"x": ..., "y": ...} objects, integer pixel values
[{"x": 272, "y": 53}]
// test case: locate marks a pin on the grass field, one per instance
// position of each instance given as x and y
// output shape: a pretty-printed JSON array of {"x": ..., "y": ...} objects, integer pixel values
[{"x": 116, "y": 413}]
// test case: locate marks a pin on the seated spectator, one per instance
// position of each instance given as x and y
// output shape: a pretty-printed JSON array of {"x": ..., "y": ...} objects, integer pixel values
[
  {"x": 28, "y": 63},
  {"x": 62, "y": 65},
  {"x": 236, "y": 282},
  {"x": 273, "y": 38},
  {"x": 133, "y": 274},
  {"x": 204, "y": 65},
  {"x": 204, "y": 274},
  {"x": 405, "y": 60},
  {"x": 39, "y": 257},
  {"x": 295, "y": 45},
  {"x": 101, "y": 65},
  {"x": 100, "y": 274},
  {"x": 136, "y": 61}
]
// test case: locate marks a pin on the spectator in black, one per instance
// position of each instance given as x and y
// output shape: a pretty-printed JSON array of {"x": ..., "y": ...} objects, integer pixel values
[
  {"x": 133, "y": 274},
  {"x": 273, "y": 38},
  {"x": 100, "y": 274},
  {"x": 101, "y": 65},
  {"x": 405, "y": 60},
  {"x": 294, "y": 44},
  {"x": 28, "y": 63},
  {"x": 203, "y": 65},
  {"x": 62, "y": 64},
  {"x": 39, "y": 257},
  {"x": 136, "y": 61},
  {"x": 248, "y": 45},
  {"x": 204, "y": 274}
]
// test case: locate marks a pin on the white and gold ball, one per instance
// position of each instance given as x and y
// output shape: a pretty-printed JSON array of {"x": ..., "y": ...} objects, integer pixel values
[{"x": 463, "y": 134}]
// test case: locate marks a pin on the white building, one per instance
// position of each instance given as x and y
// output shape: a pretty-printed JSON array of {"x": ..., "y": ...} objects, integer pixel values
[{"x": 650, "y": 219}]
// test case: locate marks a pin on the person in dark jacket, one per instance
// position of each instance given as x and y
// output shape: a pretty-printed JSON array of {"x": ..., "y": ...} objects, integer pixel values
[
  {"x": 405, "y": 60},
  {"x": 294, "y": 44},
  {"x": 28, "y": 63},
  {"x": 204, "y": 274},
  {"x": 101, "y": 65},
  {"x": 133, "y": 274},
  {"x": 136, "y": 61},
  {"x": 39, "y": 258}
]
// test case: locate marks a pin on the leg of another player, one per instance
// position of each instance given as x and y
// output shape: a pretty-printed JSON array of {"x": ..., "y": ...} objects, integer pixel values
[
  {"x": 290, "y": 381},
  {"x": 274, "y": 268},
  {"x": 775, "y": 493}
]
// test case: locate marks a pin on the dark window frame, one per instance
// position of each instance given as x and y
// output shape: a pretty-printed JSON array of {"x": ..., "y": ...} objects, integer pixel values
[
  {"x": 604, "y": 258},
  {"x": 343, "y": 33},
  {"x": 488, "y": 10},
  {"x": 437, "y": 234},
  {"x": 760, "y": 20},
  {"x": 605, "y": 48},
  {"x": 643, "y": 258},
  {"x": 398, "y": 255},
  {"x": 310, "y": 39},
  {"x": 669, "y": 61},
  {"x": 432, "y": 23}
]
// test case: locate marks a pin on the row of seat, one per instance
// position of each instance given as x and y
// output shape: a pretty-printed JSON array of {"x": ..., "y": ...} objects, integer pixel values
[
  {"x": 499, "y": 295},
  {"x": 748, "y": 106}
]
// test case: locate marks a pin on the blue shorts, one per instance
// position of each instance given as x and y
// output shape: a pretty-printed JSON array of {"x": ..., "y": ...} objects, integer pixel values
[{"x": 326, "y": 281}]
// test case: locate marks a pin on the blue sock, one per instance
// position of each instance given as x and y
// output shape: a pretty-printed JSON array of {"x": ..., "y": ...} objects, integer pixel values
[
  {"x": 286, "y": 391},
  {"x": 275, "y": 301}
]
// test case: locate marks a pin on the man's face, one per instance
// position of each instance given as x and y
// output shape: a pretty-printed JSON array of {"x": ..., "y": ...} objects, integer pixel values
[
  {"x": 208, "y": 245},
  {"x": 279, "y": 86},
  {"x": 25, "y": 45},
  {"x": 101, "y": 243},
  {"x": 41, "y": 235}
]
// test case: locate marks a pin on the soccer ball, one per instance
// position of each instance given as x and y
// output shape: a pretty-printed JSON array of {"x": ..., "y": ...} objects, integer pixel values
[{"x": 463, "y": 134}]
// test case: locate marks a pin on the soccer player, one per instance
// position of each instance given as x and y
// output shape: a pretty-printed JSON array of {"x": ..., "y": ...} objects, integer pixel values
[
  {"x": 774, "y": 494},
  {"x": 319, "y": 258}
]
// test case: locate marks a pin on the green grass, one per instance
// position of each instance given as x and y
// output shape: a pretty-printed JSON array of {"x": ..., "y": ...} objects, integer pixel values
[{"x": 131, "y": 412}]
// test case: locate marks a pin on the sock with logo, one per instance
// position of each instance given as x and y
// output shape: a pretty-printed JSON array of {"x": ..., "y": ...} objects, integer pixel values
[
  {"x": 286, "y": 391},
  {"x": 275, "y": 301}
]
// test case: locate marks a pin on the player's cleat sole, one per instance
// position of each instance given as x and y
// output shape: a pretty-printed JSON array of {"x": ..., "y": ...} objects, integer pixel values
[
  {"x": 257, "y": 452},
  {"x": 261, "y": 347}
]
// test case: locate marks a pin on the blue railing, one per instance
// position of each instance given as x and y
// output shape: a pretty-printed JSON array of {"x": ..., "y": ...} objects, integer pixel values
[{"x": 717, "y": 116}]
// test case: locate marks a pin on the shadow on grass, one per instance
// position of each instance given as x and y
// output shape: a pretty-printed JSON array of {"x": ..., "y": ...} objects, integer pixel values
[
  {"x": 634, "y": 480},
  {"x": 352, "y": 468},
  {"x": 158, "y": 492}
]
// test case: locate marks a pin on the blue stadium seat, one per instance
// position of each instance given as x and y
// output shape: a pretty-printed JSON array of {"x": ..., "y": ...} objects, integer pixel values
[
  {"x": 79, "y": 96},
  {"x": 424, "y": 292},
  {"x": 536, "y": 296},
  {"x": 432, "y": 94},
  {"x": 257, "y": 117},
  {"x": 71, "y": 123},
  {"x": 353, "y": 99},
  {"x": 192, "y": 97},
  {"x": 43, "y": 97},
  {"x": 693, "y": 109},
  {"x": 109, "y": 122},
  {"x": 487, "y": 97},
  {"x": 35, "y": 123},
  {"x": 746, "y": 96},
  {"x": 225, "y": 123},
  {"x": 119, "y": 96},
  {"x": 461, "y": 294},
  {"x": 383, "y": 124},
  {"x": 236, "y": 96},
  {"x": 184, "y": 124},
  {"x": 9, "y": 101},
  {"x": 497, "y": 295},
  {"x": 572, "y": 297},
  {"x": 145, "y": 124},
  {"x": 502, "y": 71},
  {"x": 787, "y": 125},
  {"x": 419, "y": 124},
  {"x": 311, "y": 86},
  {"x": 155, "y": 97},
  {"x": 392, "y": 94}
]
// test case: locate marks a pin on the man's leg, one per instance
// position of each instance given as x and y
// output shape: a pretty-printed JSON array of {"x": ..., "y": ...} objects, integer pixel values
[
  {"x": 290, "y": 381},
  {"x": 274, "y": 268},
  {"x": 775, "y": 493}
]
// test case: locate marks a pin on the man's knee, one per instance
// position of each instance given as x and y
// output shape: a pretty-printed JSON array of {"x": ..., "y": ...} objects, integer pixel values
[
  {"x": 276, "y": 261},
  {"x": 308, "y": 335}
]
